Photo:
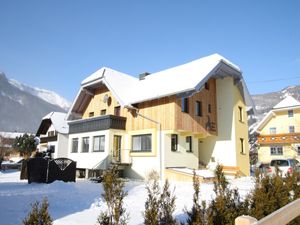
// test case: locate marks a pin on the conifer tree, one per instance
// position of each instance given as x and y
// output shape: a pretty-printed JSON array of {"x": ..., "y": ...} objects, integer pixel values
[
  {"x": 226, "y": 205},
  {"x": 114, "y": 195},
  {"x": 197, "y": 214},
  {"x": 151, "y": 214},
  {"x": 167, "y": 206},
  {"x": 39, "y": 214},
  {"x": 270, "y": 193}
]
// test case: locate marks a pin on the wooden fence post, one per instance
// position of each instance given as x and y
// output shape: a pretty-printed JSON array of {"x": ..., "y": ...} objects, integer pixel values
[{"x": 245, "y": 220}]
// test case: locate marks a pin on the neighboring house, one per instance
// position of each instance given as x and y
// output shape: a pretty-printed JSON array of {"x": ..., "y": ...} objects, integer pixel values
[
  {"x": 279, "y": 132},
  {"x": 190, "y": 115},
  {"x": 53, "y": 134}
]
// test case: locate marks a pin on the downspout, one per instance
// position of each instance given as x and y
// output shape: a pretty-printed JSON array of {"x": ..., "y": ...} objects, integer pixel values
[{"x": 161, "y": 174}]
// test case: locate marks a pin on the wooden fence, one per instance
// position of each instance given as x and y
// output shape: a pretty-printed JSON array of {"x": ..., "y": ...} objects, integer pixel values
[{"x": 281, "y": 216}]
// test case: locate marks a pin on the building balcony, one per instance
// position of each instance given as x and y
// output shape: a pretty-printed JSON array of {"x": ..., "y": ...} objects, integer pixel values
[
  {"x": 48, "y": 139},
  {"x": 287, "y": 138},
  {"x": 97, "y": 123}
]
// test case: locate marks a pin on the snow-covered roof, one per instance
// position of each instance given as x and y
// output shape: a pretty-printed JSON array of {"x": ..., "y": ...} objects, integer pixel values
[
  {"x": 185, "y": 78},
  {"x": 287, "y": 103},
  {"x": 57, "y": 119},
  {"x": 10, "y": 135}
]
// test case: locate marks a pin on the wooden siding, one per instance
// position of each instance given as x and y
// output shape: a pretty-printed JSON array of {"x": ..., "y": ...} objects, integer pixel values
[
  {"x": 279, "y": 138},
  {"x": 166, "y": 110},
  {"x": 189, "y": 122}
]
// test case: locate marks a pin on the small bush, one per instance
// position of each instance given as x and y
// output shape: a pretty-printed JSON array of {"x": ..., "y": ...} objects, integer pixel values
[
  {"x": 39, "y": 214},
  {"x": 114, "y": 196}
]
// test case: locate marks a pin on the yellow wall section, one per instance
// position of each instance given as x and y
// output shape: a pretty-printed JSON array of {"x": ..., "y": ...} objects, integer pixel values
[
  {"x": 282, "y": 122},
  {"x": 241, "y": 131},
  {"x": 289, "y": 151}
]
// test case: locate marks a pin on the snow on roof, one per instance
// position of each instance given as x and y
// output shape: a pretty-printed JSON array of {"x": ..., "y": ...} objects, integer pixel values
[
  {"x": 289, "y": 101},
  {"x": 58, "y": 121},
  {"x": 191, "y": 76}
]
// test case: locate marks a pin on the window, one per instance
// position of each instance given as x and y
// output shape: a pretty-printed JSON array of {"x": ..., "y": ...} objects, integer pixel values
[
  {"x": 242, "y": 146},
  {"x": 99, "y": 143},
  {"x": 117, "y": 110},
  {"x": 291, "y": 129},
  {"x": 188, "y": 141},
  {"x": 51, "y": 133},
  {"x": 209, "y": 108},
  {"x": 85, "y": 144},
  {"x": 174, "y": 142},
  {"x": 272, "y": 130},
  {"x": 241, "y": 119},
  {"x": 198, "y": 108},
  {"x": 142, "y": 143},
  {"x": 185, "y": 105},
  {"x": 298, "y": 150},
  {"x": 276, "y": 150},
  {"x": 75, "y": 145},
  {"x": 91, "y": 114},
  {"x": 103, "y": 112},
  {"x": 290, "y": 113},
  {"x": 206, "y": 86}
]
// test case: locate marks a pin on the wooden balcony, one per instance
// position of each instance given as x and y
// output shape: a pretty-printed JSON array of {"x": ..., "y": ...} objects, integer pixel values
[
  {"x": 279, "y": 138},
  {"x": 97, "y": 123},
  {"x": 48, "y": 139}
]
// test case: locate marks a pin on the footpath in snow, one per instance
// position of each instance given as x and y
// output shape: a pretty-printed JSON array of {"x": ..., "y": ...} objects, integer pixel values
[{"x": 81, "y": 202}]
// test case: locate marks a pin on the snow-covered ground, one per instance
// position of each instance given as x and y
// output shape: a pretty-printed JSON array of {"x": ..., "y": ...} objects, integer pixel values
[{"x": 81, "y": 202}]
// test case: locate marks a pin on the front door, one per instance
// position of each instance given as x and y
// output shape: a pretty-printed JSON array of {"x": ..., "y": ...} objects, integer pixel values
[{"x": 117, "y": 148}]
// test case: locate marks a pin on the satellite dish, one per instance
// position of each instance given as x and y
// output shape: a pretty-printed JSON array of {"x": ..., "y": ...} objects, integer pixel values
[{"x": 105, "y": 98}]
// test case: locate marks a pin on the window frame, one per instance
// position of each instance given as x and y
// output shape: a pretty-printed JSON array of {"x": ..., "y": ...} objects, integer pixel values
[
  {"x": 241, "y": 114},
  {"x": 141, "y": 136},
  {"x": 272, "y": 130},
  {"x": 198, "y": 108},
  {"x": 185, "y": 105},
  {"x": 242, "y": 144},
  {"x": 117, "y": 111},
  {"x": 292, "y": 130},
  {"x": 83, "y": 149},
  {"x": 72, "y": 145},
  {"x": 174, "y": 142},
  {"x": 91, "y": 114},
  {"x": 103, "y": 112},
  {"x": 189, "y": 141},
  {"x": 291, "y": 113},
  {"x": 274, "y": 150},
  {"x": 100, "y": 137}
]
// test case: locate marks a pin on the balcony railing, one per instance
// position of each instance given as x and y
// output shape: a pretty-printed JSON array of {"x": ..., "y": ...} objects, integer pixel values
[
  {"x": 97, "y": 123},
  {"x": 48, "y": 139},
  {"x": 279, "y": 138}
]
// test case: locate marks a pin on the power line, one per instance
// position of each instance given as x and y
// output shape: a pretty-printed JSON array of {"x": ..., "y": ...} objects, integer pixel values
[{"x": 273, "y": 80}]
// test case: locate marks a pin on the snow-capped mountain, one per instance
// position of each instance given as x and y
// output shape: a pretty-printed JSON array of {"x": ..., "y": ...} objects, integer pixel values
[
  {"x": 46, "y": 95},
  {"x": 22, "y": 107}
]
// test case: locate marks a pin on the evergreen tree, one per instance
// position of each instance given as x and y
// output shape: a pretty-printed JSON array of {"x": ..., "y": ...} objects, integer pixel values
[
  {"x": 39, "y": 214},
  {"x": 151, "y": 214},
  {"x": 114, "y": 196},
  {"x": 270, "y": 193},
  {"x": 167, "y": 206},
  {"x": 25, "y": 144},
  {"x": 197, "y": 214},
  {"x": 226, "y": 205}
]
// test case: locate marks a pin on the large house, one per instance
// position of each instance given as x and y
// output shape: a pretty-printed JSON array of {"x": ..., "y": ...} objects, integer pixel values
[
  {"x": 190, "y": 115},
  {"x": 53, "y": 133},
  {"x": 279, "y": 132}
]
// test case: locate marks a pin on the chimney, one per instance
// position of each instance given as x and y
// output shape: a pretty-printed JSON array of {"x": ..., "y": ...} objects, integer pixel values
[{"x": 143, "y": 75}]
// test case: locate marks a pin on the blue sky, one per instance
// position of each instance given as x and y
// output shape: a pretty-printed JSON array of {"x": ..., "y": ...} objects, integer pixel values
[{"x": 56, "y": 44}]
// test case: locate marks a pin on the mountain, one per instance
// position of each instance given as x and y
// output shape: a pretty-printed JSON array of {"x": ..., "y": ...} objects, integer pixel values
[
  {"x": 23, "y": 107},
  {"x": 265, "y": 102}
]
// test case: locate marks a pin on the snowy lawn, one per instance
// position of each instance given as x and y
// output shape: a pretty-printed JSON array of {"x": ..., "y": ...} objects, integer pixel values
[{"x": 81, "y": 202}]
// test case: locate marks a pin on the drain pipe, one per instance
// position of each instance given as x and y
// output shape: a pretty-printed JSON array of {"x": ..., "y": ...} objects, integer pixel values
[{"x": 161, "y": 174}]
